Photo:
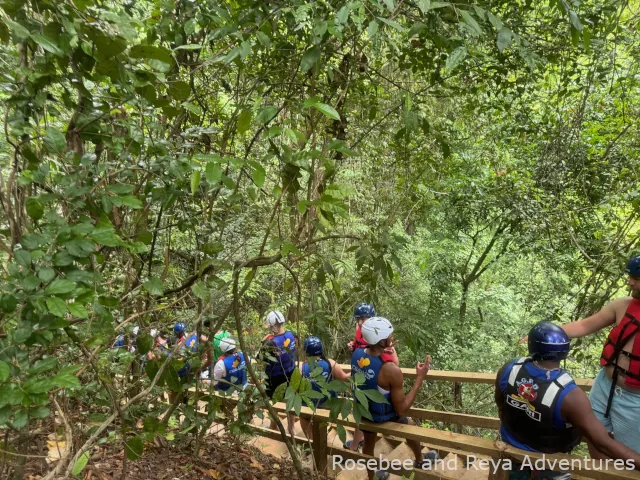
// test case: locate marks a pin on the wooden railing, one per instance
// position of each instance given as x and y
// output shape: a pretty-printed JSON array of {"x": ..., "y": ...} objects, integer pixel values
[{"x": 437, "y": 439}]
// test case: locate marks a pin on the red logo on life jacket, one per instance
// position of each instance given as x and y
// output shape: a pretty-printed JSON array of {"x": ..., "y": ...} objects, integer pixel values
[{"x": 527, "y": 389}]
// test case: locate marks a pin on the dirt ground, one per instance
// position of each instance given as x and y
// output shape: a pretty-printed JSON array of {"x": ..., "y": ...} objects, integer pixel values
[{"x": 219, "y": 460}]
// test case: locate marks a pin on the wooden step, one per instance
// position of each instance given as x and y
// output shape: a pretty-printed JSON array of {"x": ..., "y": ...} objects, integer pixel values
[{"x": 270, "y": 447}]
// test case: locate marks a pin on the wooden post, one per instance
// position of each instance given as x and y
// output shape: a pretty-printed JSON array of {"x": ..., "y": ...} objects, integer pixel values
[{"x": 319, "y": 431}]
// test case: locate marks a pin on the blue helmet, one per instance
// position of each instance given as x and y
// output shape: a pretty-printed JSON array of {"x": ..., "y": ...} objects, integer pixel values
[
  {"x": 364, "y": 310},
  {"x": 313, "y": 346},
  {"x": 633, "y": 266},
  {"x": 179, "y": 328},
  {"x": 548, "y": 342}
]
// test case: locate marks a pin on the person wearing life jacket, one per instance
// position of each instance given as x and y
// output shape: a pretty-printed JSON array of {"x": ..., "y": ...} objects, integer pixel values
[
  {"x": 230, "y": 371},
  {"x": 320, "y": 371},
  {"x": 217, "y": 338},
  {"x": 615, "y": 395},
  {"x": 362, "y": 313},
  {"x": 278, "y": 351},
  {"x": 386, "y": 378},
  {"x": 542, "y": 409}
]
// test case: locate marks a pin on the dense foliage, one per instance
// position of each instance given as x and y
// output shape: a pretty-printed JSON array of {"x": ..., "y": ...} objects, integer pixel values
[{"x": 471, "y": 168}]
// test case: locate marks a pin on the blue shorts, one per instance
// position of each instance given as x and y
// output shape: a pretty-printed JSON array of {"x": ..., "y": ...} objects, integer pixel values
[{"x": 624, "y": 417}]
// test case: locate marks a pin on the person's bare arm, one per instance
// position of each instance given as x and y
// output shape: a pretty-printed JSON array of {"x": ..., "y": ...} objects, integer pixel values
[
  {"x": 576, "y": 409},
  {"x": 337, "y": 372},
  {"x": 498, "y": 395},
  {"x": 581, "y": 328},
  {"x": 400, "y": 402}
]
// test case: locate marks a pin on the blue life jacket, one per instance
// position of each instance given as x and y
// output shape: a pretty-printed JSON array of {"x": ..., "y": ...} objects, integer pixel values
[
  {"x": 119, "y": 341},
  {"x": 284, "y": 351},
  {"x": 532, "y": 413},
  {"x": 370, "y": 367},
  {"x": 236, "y": 372},
  {"x": 326, "y": 373},
  {"x": 191, "y": 344}
]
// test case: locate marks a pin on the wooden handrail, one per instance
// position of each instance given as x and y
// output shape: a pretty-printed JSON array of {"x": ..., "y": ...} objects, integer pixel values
[
  {"x": 442, "y": 440},
  {"x": 468, "y": 377}
]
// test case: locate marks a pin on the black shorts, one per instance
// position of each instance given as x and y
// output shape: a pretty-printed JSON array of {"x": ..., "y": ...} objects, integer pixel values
[{"x": 274, "y": 382}]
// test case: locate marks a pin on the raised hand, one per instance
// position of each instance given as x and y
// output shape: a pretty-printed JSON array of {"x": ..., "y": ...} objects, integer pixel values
[{"x": 423, "y": 368}]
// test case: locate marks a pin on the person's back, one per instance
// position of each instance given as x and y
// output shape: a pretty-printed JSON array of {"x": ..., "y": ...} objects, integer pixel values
[
  {"x": 532, "y": 418},
  {"x": 282, "y": 349},
  {"x": 231, "y": 368},
  {"x": 384, "y": 376},
  {"x": 320, "y": 371},
  {"x": 541, "y": 408},
  {"x": 371, "y": 366}
]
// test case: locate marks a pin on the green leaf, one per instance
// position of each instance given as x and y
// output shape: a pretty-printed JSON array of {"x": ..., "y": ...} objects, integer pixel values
[
  {"x": 193, "y": 108},
  {"x": 505, "y": 37},
  {"x": 495, "y": 21},
  {"x": 259, "y": 175},
  {"x": 153, "y": 286},
  {"x": 389, "y": 4},
  {"x": 20, "y": 32},
  {"x": 201, "y": 290},
  {"x": 23, "y": 257},
  {"x": 455, "y": 58},
  {"x": 362, "y": 398},
  {"x": 60, "y": 286},
  {"x": 244, "y": 121},
  {"x": 375, "y": 396},
  {"x": 4, "y": 371},
  {"x": 575, "y": 21},
  {"x": 424, "y": 5},
  {"x": 213, "y": 173},
  {"x": 263, "y": 39},
  {"x": 435, "y": 5},
  {"x": 152, "y": 52},
  {"x": 47, "y": 44},
  {"x": 171, "y": 378},
  {"x": 179, "y": 90},
  {"x": 195, "y": 181},
  {"x": 78, "y": 310},
  {"x": 323, "y": 108},
  {"x": 131, "y": 201},
  {"x": 118, "y": 189},
  {"x": 296, "y": 377},
  {"x": 39, "y": 412},
  {"x": 372, "y": 29},
  {"x": 35, "y": 209},
  {"x": 67, "y": 380},
  {"x": 278, "y": 395},
  {"x": 144, "y": 343},
  {"x": 342, "y": 433},
  {"x": 297, "y": 402},
  {"x": 190, "y": 47},
  {"x": 20, "y": 419},
  {"x": 473, "y": 24},
  {"x": 8, "y": 303},
  {"x": 57, "y": 306},
  {"x": 80, "y": 464},
  {"x": 106, "y": 237},
  {"x": 416, "y": 29},
  {"x": 586, "y": 35},
  {"x": 310, "y": 58},
  {"x": 266, "y": 114},
  {"x": 393, "y": 24},
  {"x": 54, "y": 141}
]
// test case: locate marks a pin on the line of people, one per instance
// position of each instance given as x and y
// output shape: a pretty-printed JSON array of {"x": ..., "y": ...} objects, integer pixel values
[{"x": 540, "y": 406}]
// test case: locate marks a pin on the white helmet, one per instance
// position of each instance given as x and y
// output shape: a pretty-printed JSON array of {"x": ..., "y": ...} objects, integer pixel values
[
  {"x": 227, "y": 344},
  {"x": 154, "y": 332},
  {"x": 136, "y": 329},
  {"x": 376, "y": 329},
  {"x": 274, "y": 318}
]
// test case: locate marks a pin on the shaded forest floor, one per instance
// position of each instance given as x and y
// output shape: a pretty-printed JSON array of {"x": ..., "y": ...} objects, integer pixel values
[{"x": 219, "y": 460}]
